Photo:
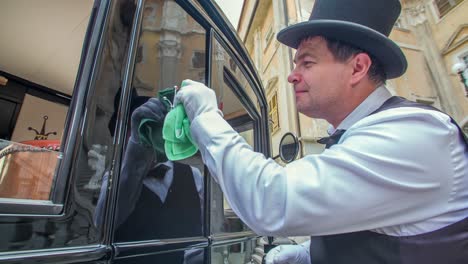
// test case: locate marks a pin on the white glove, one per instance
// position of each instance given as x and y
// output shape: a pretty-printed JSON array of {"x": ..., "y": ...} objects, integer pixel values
[
  {"x": 289, "y": 254},
  {"x": 96, "y": 162},
  {"x": 197, "y": 99}
]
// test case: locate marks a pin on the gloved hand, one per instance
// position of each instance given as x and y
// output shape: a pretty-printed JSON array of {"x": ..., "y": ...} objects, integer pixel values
[
  {"x": 197, "y": 99},
  {"x": 153, "y": 109},
  {"x": 96, "y": 162},
  {"x": 288, "y": 254}
]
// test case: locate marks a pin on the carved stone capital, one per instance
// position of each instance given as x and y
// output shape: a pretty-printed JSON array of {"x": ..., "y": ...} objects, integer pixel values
[
  {"x": 169, "y": 48},
  {"x": 416, "y": 14}
]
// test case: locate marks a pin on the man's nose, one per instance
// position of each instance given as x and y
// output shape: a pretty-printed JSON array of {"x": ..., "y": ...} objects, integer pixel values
[{"x": 294, "y": 78}]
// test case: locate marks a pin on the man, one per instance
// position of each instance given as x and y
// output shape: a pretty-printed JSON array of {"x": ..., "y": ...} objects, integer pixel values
[
  {"x": 157, "y": 198},
  {"x": 392, "y": 185}
]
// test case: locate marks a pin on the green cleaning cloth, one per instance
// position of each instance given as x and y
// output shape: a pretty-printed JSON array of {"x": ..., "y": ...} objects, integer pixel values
[
  {"x": 178, "y": 143},
  {"x": 150, "y": 131}
]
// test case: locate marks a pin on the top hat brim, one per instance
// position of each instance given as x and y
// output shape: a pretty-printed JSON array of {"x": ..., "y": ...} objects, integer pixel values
[{"x": 385, "y": 50}]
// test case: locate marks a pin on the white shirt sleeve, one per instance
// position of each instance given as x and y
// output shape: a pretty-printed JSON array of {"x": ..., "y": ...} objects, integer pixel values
[{"x": 391, "y": 168}]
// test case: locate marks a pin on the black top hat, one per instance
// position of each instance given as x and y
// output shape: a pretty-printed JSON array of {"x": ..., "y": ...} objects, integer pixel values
[{"x": 364, "y": 24}]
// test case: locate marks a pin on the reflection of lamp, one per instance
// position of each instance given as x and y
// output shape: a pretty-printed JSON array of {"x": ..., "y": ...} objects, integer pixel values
[
  {"x": 459, "y": 68},
  {"x": 3, "y": 81}
]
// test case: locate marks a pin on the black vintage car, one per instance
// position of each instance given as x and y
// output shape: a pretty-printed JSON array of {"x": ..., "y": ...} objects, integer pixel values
[{"x": 75, "y": 184}]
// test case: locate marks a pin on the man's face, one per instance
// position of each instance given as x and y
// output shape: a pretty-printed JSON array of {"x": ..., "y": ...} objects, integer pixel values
[{"x": 319, "y": 80}]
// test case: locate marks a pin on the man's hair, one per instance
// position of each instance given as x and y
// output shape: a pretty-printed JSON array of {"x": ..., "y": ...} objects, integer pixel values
[{"x": 343, "y": 51}]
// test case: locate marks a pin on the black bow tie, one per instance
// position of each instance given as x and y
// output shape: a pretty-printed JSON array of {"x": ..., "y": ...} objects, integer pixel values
[
  {"x": 333, "y": 139},
  {"x": 159, "y": 171}
]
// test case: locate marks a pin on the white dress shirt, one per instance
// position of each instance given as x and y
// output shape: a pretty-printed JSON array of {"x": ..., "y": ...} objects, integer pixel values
[
  {"x": 402, "y": 171},
  {"x": 137, "y": 161}
]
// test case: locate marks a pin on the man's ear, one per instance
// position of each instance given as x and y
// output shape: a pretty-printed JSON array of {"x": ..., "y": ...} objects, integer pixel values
[{"x": 361, "y": 63}]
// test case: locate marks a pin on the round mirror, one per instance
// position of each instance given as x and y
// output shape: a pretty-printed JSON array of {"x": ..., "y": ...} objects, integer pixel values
[{"x": 289, "y": 147}]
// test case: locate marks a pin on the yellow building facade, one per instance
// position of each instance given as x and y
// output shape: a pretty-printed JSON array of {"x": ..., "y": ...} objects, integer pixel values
[{"x": 433, "y": 35}]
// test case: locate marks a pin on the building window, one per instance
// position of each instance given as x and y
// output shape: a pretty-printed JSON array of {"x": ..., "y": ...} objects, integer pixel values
[
  {"x": 465, "y": 72},
  {"x": 198, "y": 60},
  {"x": 273, "y": 114},
  {"x": 444, "y": 6}
]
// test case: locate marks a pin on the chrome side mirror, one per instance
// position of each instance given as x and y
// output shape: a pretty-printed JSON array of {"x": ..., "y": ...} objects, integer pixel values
[{"x": 288, "y": 147}]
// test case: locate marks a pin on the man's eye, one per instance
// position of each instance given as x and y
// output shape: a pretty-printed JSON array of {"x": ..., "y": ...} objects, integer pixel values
[{"x": 308, "y": 63}]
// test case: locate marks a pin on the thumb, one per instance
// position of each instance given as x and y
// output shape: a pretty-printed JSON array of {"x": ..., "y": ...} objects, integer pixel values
[
  {"x": 271, "y": 255},
  {"x": 290, "y": 254},
  {"x": 178, "y": 97}
]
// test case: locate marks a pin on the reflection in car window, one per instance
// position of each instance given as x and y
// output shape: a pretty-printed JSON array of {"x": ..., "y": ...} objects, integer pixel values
[
  {"x": 239, "y": 253},
  {"x": 157, "y": 198}
]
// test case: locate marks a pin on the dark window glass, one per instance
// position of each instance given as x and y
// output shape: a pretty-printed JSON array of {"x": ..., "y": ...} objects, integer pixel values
[
  {"x": 233, "y": 92},
  {"x": 238, "y": 253},
  {"x": 444, "y": 6},
  {"x": 96, "y": 151},
  {"x": 157, "y": 198},
  {"x": 198, "y": 59}
]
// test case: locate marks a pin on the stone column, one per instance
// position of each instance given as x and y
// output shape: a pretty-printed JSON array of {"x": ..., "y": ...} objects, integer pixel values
[
  {"x": 169, "y": 53},
  {"x": 174, "y": 21}
]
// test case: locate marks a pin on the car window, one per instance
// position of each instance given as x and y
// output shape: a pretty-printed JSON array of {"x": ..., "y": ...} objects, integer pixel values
[
  {"x": 233, "y": 93},
  {"x": 158, "y": 198},
  {"x": 57, "y": 119}
]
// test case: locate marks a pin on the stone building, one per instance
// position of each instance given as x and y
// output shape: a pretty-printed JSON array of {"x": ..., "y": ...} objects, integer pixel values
[{"x": 433, "y": 35}]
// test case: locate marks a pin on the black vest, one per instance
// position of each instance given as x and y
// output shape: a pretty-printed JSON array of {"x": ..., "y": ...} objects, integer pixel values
[
  {"x": 179, "y": 216},
  {"x": 448, "y": 245}
]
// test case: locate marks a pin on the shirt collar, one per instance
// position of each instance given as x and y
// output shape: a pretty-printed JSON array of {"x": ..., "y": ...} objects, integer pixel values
[
  {"x": 369, "y": 105},
  {"x": 160, "y": 186}
]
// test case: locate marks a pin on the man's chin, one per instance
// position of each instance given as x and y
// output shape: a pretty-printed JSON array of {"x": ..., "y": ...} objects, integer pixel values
[{"x": 308, "y": 112}]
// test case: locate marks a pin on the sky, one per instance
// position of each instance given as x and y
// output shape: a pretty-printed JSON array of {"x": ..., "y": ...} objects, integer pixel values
[{"x": 232, "y": 9}]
